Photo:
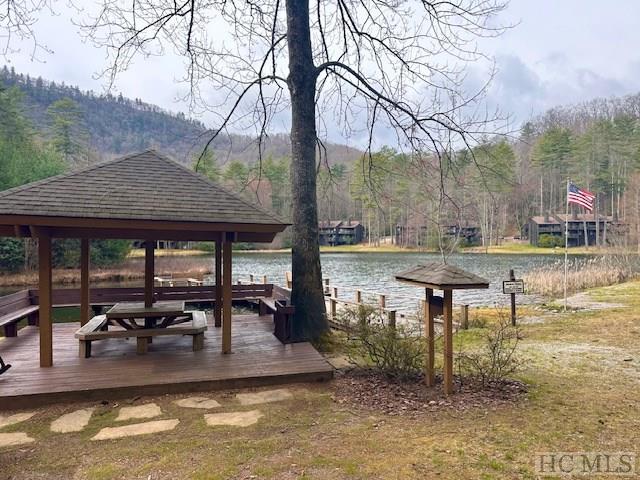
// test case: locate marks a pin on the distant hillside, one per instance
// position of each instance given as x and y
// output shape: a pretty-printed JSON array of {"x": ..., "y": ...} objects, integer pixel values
[{"x": 116, "y": 125}]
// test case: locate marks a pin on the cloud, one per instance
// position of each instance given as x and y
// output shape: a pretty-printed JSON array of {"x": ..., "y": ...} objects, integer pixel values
[{"x": 524, "y": 90}]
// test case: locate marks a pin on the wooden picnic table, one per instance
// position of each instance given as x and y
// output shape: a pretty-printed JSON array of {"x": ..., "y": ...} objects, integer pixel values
[
  {"x": 161, "y": 314},
  {"x": 194, "y": 324}
]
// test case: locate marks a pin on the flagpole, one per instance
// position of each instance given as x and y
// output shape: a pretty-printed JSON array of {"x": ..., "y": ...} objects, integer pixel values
[{"x": 566, "y": 245}]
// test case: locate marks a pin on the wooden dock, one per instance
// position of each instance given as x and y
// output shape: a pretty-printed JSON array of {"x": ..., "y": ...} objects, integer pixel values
[{"x": 170, "y": 366}]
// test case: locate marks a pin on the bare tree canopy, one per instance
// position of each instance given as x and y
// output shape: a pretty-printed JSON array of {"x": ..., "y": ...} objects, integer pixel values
[
  {"x": 361, "y": 65},
  {"x": 398, "y": 61},
  {"x": 17, "y": 24}
]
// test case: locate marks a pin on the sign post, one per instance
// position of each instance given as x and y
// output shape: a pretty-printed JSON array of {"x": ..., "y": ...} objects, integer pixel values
[{"x": 512, "y": 287}]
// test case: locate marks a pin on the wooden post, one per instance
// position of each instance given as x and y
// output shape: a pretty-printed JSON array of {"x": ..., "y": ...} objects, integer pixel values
[
  {"x": 217, "y": 306},
  {"x": 448, "y": 342},
  {"x": 334, "y": 305},
  {"x": 358, "y": 296},
  {"x": 45, "y": 301},
  {"x": 512, "y": 277},
  {"x": 148, "y": 272},
  {"x": 335, "y": 292},
  {"x": 226, "y": 296},
  {"x": 264, "y": 279},
  {"x": 392, "y": 318},
  {"x": 326, "y": 285},
  {"x": 85, "y": 305},
  {"x": 288, "y": 279},
  {"x": 429, "y": 373},
  {"x": 383, "y": 301},
  {"x": 465, "y": 317}
]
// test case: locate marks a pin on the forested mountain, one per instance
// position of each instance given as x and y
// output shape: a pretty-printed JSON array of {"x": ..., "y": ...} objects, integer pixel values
[
  {"x": 113, "y": 125},
  {"x": 413, "y": 197}
]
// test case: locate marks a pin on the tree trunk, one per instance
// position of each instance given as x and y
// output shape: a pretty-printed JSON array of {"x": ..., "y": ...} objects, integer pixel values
[{"x": 307, "y": 295}]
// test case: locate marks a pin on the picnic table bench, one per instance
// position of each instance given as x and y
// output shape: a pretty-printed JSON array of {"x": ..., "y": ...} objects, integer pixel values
[
  {"x": 98, "y": 329},
  {"x": 15, "y": 307}
]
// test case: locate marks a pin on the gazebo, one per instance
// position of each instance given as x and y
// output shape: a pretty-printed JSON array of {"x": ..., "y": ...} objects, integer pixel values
[
  {"x": 440, "y": 276},
  {"x": 144, "y": 196}
]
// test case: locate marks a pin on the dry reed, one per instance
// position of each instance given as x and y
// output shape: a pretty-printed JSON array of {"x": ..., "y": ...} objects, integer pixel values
[
  {"x": 132, "y": 269},
  {"x": 583, "y": 273}
]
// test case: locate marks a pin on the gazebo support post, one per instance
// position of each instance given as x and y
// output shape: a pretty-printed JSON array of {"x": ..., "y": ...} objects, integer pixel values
[
  {"x": 448, "y": 341},
  {"x": 45, "y": 300},
  {"x": 85, "y": 305},
  {"x": 217, "y": 307},
  {"x": 429, "y": 377},
  {"x": 226, "y": 295},
  {"x": 148, "y": 272}
]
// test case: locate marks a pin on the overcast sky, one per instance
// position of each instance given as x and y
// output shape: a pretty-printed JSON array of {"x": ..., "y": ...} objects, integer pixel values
[{"x": 560, "y": 51}]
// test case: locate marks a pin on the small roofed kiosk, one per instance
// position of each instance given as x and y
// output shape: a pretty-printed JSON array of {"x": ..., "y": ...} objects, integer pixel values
[
  {"x": 144, "y": 196},
  {"x": 440, "y": 276}
]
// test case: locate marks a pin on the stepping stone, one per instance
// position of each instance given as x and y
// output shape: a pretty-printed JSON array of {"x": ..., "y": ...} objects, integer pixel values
[
  {"x": 266, "y": 396},
  {"x": 72, "y": 422},
  {"x": 157, "y": 426},
  {"x": 234, "y": 419},
  {"x": 16, "y": 438},
  {"x": 16, "y": 418},
  {"x": 148, "y": 410},
  {"x": 197, "y": 402}
]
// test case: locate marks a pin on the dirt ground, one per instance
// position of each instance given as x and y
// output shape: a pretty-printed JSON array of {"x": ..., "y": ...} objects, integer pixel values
[{"x": 577, "y": 392}]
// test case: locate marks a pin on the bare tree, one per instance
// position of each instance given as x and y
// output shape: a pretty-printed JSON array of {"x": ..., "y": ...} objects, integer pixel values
[
  {"x": 17, "y": 21},
  {"x": 365, "y": 66}
]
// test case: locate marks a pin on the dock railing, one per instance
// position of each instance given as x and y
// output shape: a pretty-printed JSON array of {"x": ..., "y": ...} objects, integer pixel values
[{"x": 336, "y": 300}]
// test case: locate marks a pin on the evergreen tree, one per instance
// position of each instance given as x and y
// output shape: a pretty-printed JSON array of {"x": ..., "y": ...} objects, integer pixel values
[
  {"x": 67, "y": 133},
  {"x": 206, "y": 165}
]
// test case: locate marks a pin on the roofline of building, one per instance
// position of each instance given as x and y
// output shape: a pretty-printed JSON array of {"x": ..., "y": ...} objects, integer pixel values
[{"x": 443, "y": 286}]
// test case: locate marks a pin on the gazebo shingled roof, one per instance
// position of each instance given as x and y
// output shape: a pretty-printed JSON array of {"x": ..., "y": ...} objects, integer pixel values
[
  {"x": 141, "y": 187},
  {"x": 442, "y": 277}
]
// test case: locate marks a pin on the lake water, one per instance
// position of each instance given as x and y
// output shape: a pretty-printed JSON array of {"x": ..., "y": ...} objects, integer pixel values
[{"x": 373, "y": 273}]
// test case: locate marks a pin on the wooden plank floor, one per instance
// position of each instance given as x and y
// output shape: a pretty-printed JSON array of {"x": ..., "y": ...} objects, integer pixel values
[{"x": 115, "y": 371}]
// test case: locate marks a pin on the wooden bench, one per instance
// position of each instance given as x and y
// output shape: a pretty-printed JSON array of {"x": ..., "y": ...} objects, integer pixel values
[
  {"x": 282, "y": 311},
  {"x": 15, "y": 307},
  {"x": 97, "y": 329}
]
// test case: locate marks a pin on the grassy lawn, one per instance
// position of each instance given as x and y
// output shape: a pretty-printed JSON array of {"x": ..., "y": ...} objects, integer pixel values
[
  {"x": 526, "y": 249},
  {"x": 583, "y": 371},
  {"x": 365, "y": 248}
]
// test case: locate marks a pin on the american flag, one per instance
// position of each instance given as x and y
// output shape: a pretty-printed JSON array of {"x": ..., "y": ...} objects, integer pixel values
[{"x": 581, "y": 197}]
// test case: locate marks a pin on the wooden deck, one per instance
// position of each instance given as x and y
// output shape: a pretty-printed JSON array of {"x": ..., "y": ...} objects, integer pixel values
[{"x": 170, "y": 366}]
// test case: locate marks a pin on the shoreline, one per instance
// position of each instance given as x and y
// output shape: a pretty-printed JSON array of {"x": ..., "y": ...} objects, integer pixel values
[
  {"x": 188, "y": 263},
  {"x": 507, "y": 249}
]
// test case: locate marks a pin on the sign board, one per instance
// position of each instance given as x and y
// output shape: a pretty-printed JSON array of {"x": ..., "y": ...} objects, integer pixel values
[{"x": 513, "y": 286}]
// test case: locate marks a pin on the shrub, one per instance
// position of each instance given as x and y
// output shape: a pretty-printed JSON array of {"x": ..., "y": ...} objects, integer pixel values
[
  {"x": 209, "y": 247},
  {"x": 547, "y": 240},
  {"x": 66, "y": 252},
  {"x": 11, "y": 255},
  {"x": 109, "y": 252},
  {"x": 395, "y": 351},
  {"x": 496, "y": 359}
]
